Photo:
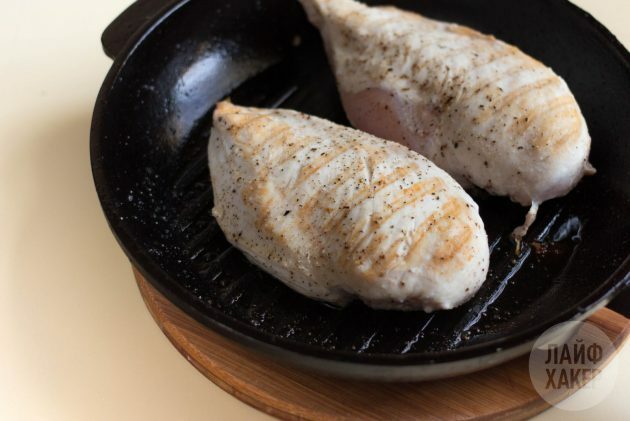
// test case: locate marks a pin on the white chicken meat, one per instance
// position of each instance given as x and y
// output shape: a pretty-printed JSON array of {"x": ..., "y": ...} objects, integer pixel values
[
  {"x": 482, "y": 110},
  {"x": 338, "y": 214}
]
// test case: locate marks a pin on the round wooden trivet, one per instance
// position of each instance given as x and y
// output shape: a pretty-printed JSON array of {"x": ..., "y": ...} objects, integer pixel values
[{"x": 503, "y": 392}]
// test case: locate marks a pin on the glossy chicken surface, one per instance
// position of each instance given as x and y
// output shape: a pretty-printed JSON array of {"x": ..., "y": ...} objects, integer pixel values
[
  {"x": 482, "y": 110},
  {"x": 338, "y": 214}
]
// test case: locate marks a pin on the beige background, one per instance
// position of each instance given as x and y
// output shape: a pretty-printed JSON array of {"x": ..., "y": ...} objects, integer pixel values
[{"x": 76, "y": 342}]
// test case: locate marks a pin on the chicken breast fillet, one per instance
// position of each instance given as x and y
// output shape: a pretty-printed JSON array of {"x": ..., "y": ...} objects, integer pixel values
[
  {"x": 479, "y": 108},
  {"x": 338, "y": 214}
]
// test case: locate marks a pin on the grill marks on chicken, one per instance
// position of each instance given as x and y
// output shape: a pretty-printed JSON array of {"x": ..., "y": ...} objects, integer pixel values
[
  {"x": 336, "y": 213},
  {"x": 479, "y": 108}
]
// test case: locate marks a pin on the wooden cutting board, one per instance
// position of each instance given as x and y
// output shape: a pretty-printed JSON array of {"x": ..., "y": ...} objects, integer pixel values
[{"x": 503, "y": 392}]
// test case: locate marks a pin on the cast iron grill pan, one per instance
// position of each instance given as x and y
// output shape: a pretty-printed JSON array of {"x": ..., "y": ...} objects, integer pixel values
[{"x": 149, "y": 152}]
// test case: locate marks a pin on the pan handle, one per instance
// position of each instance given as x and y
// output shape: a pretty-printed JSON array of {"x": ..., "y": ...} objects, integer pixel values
[{"x": 125, "y": 26}]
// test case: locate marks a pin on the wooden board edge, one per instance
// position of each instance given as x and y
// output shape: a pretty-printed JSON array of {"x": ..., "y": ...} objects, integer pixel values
[{"x": 605, "y": 319}]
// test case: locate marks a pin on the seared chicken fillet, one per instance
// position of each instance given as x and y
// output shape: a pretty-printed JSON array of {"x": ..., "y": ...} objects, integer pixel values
[
  {"x": 479, "y": 108},
  {"x": 338, "y": 214}
]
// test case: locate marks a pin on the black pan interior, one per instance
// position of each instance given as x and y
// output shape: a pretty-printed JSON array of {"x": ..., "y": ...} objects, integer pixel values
[{"x": 149, "y": 137}]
